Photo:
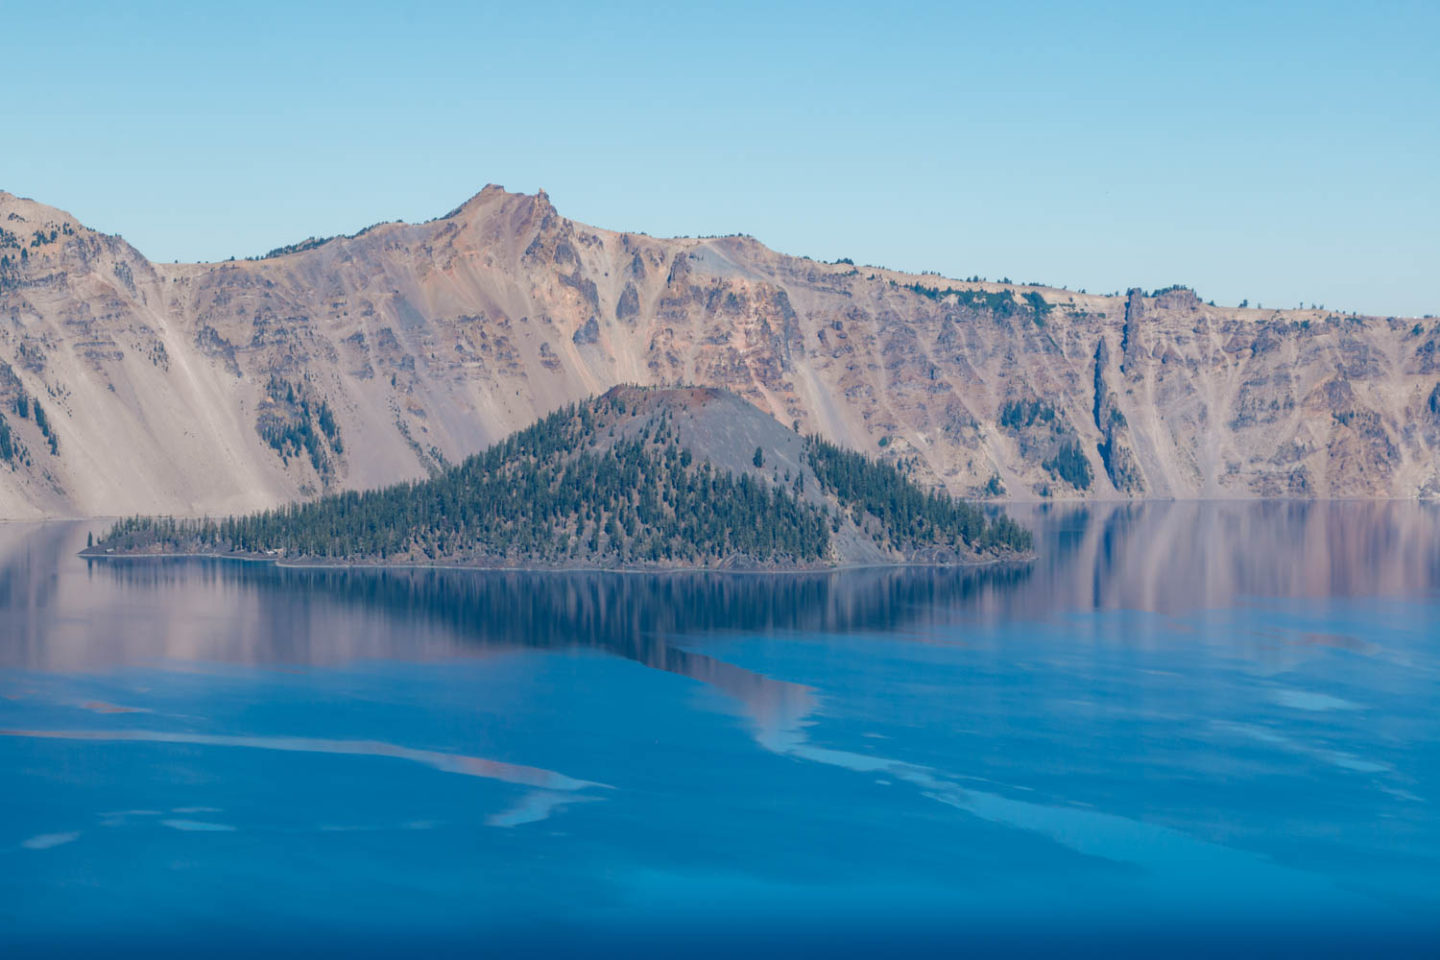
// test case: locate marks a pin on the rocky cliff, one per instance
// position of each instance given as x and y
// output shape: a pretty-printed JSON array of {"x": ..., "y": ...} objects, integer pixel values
[{"x": 130, "y": 386}]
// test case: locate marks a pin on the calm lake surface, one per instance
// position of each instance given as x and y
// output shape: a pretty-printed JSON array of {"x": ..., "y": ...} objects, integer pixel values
[{"x": 1184, "y": 728}]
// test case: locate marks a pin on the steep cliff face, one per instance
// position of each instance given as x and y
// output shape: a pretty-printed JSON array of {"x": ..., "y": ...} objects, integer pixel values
[{"x": 195, "y": 388}]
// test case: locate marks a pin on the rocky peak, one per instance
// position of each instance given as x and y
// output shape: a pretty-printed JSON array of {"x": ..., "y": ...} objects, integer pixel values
[{"x": 1177, "y": 298}]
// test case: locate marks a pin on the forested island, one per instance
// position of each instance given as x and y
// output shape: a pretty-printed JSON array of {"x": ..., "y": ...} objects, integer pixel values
[{"x": 635, "y": 479}]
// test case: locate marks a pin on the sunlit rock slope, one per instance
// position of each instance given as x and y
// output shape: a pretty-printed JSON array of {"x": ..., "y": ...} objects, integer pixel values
[{"x": 357, "y": 361}]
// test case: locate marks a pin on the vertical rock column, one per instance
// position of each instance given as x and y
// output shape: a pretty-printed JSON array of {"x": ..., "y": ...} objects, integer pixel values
[{"x": 1120, "y": 463}]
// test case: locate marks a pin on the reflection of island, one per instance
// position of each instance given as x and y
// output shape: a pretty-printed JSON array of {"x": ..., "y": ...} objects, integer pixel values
[
  {"x": 1159, "y": 557},
  {"x": 57, "y": 612},
  {"x": 327, "y": 615}
]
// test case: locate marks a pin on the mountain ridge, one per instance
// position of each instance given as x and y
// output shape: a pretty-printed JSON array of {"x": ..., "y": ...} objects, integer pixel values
[{"x": 200, "y": 388}]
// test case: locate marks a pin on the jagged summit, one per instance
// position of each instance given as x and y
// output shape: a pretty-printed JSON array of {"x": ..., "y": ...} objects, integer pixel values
[{"x": 490, "y": 195}]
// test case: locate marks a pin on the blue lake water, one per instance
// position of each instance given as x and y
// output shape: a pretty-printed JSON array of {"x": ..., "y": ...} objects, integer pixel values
[{"x": 1185, "y": 728}]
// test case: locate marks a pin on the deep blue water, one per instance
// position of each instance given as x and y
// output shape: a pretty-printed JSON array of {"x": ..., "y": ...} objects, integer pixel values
[{"x": 1183, "y": 729}]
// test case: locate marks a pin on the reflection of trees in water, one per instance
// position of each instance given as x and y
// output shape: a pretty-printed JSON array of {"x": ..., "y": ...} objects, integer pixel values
[
  {"x": 630, "y": 615},
  {"x": 305, "y": 613},
  {"x": 1166, "y": 557}
]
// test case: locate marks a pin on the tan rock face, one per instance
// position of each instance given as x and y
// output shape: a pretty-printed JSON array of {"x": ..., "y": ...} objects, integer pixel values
[{"x": 207, "y": 388}]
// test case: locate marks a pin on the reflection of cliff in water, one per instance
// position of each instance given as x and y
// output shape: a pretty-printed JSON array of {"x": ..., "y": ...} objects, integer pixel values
[
  {"x": 1164, "y": 557},
  {"x": 1173, "y": 557},
  {"x": 1157, "y": 557},
  {"x": 60, "y": 612}
]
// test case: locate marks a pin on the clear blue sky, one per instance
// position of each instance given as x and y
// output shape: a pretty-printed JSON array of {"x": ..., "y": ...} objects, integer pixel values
[{"x": 1280, "y": 152}]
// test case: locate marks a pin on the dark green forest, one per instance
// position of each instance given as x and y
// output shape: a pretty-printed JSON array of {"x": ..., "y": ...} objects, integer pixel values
[
  {"x": 1070, "y": 465},
  {"x": 566, "y": 491},
  {"x": 909, "y": 517}
]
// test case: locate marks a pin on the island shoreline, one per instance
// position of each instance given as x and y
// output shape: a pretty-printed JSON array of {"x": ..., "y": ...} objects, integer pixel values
[{"x": 349, "y": 565}]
